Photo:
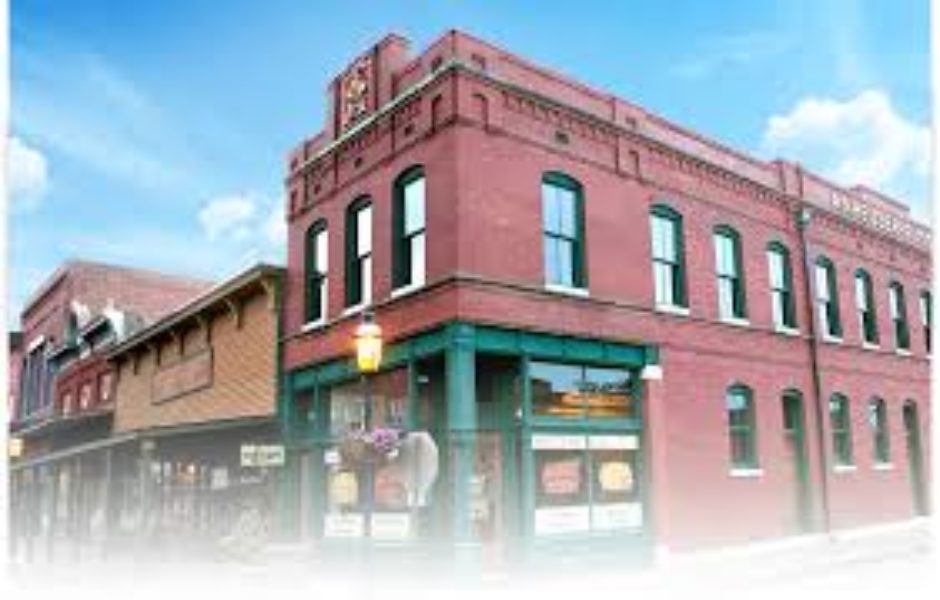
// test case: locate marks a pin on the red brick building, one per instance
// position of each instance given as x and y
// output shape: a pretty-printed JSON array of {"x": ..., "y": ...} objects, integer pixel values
[
  {"x": 615, "y": 329},
  {"x": 63, "y": 406}
]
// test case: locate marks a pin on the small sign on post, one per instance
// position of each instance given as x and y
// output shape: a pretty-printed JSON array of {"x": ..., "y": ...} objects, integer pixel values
[{"x": 261, "y": 455}]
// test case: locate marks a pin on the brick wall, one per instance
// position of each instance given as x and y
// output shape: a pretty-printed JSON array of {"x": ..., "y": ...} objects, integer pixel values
[{"x": 485, "y": 145}]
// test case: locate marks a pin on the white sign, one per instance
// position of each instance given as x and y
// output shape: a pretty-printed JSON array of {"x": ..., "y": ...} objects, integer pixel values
[
  {"x": 349, "y": 525},
  {"x": 262, "y": 455},
  {"x": 562, "y": 519},
  {"x": 218, "y": 478},
  {"x": 558, "y": 442},
  {"x": 613, "y": 442},
  {"x": 628, "y": 515},
  {"x": 391, "y": 526},
  {"x": 331, "y": 457}
]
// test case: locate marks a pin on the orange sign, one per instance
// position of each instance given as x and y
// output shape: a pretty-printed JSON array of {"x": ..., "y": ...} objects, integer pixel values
[{"x": 561, "y": 477}]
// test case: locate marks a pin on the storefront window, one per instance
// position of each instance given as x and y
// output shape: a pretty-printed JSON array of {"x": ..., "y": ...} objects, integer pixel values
[
  {"x": 351, "y": 464},
  {"x": 570, "y": 391},
  {"x": 586, "y": 483}
]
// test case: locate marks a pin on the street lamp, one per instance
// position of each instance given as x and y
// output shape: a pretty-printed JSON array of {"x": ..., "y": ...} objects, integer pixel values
[{"x": 368, "y": 358}]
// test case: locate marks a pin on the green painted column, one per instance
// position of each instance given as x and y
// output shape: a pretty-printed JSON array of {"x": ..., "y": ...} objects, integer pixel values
[{"x": 460, "y": 360}]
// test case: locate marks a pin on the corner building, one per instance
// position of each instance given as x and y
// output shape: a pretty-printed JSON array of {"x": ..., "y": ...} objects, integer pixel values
[{"x": 618, "y": 333}]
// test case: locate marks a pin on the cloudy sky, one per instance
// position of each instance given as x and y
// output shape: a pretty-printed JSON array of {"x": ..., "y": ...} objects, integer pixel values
[{"x": 153, "y": 133}]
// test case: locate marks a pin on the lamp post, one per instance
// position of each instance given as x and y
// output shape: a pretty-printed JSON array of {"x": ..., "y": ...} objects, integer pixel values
[{"x": 368, "y": 358}]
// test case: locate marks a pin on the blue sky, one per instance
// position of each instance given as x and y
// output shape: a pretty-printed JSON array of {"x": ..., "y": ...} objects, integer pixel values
[{"x": 153, "y": 133}]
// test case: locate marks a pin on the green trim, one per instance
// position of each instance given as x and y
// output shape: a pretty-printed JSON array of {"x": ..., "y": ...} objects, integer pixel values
[
  {"x": 312, "y": 279},
  {"x": 878, "y": 421},
  {"x": 401, "y": 250},
  {"x": 869, "y": 316},
  {"x": 788, "y": 297},
  {"x": 833, "y": 310},
  {"x": 748, "y": 429},
  {"x": 679, "y": 283},
  {"x": 738, "y": 280},
  {"x": 353, "y": 262},
  {"x": 579, "y": 259},
  {"x": 902, "y": 334},
  {"x": 840, "y": 425}
]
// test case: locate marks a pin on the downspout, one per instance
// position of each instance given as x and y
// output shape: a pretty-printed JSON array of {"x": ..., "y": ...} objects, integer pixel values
[{"x": 803, "y": 218}]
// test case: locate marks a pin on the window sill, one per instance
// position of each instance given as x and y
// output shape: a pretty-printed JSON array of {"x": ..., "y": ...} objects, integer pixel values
[
  {"x": 870, "y": 346},
  {"x": 406, "y": 290},
  {"x": 312, "y": 325},
  {"x": 673, "y": 309},
  {"x": 568, "y": 291},
  {"x": 784, "y": 330},
  {"x": 746, "y": 472},
  {"x": 902, "y": 352},
  {"x": 828, "y": 339},
  {"x": 883, "y": 466},
  {"x": 355, "y": 309},
  {"x": 844, "y": 469},
  {"x": 735, "y": 321}
]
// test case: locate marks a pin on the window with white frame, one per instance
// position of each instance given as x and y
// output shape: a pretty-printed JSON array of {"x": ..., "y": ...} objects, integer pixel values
[
  {"x": 409, "y": 252},
  {"x": 827, "y": 299}
]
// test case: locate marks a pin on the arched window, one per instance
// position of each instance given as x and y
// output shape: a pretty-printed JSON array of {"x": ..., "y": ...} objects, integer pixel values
[
  {"x": 408, "y": 224},
  {"x": 729, "y": 269},
  {"x": 668, "y": 246},
  {"x": 926, "y": 317},
  {"x": 359, "y": 252},
  {"x": 563, "y": 231},
  {"x": 827, "y": 299},
  {"x": 897, "y": 305},
  {"x": 783, "y": 306},
  {"x": 865, "y": 304},
  {"x": 840, "y": 423},
  {"x": 878, "y": 421},
  {"x": 739, "y": 402},
  {"x": 316, "y": 265}
]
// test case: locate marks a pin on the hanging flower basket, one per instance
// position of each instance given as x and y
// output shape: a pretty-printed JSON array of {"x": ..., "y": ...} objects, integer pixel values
[{"x": 377, "y": 446}]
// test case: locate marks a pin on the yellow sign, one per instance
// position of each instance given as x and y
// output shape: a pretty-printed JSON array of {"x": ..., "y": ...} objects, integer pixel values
[
  {"x": 616, "y": 476},
  {"x": 344, "y": 488},
  {"x": 15, "y": 447}
]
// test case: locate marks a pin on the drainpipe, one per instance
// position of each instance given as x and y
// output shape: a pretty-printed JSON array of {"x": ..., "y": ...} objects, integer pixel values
[{"x": 803, "y": 218}]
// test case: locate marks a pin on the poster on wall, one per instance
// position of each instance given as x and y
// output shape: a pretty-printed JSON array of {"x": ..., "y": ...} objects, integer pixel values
[
  {"x": 343, "y": 525},
  {"x": 391, "y": 526},
  {"x": 626, "y": 515},
  {"x": 562, "y": 519}
]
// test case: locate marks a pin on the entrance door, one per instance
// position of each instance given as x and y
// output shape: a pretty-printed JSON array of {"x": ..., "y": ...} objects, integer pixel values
[
  {"x": 914, "y": 457},
  {"x": 795, "y": 444}
]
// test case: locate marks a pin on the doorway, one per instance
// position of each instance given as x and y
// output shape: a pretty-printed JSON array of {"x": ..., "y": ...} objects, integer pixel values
[
  {"x": 915, "y": 460},
  {"x": 795, "y": 447}
]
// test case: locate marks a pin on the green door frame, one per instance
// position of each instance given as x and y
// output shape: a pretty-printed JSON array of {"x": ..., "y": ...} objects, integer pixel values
[
  {"x": 793, "y": 400},
  {"x": 460, "y": 342}
]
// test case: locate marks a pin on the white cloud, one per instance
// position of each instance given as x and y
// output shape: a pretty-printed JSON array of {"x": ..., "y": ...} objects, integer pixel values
[
  {"x": 27, "y": 174},
  {"x": 862, "y": 140},
  {"x": 248, "y": 224},
  {"x": 227, "y": 216}
]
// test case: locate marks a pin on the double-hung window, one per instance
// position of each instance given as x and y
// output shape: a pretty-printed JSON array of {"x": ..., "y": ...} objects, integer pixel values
[
  {"x": 902, "y": 337},
  {"x": 730, "y": 274},
  {"x": 741, "y": 427},
  {"x": 668, "y": 257},
  {"x": 878, "y": 420},
  {"x": 563, "y": 232},
  {"x": 781, "y": 287},
  {"x": 409, "y": 237},
  {"x": 827, "y": 299},
  {"x": 840, "y": 423},
  {"x": 926, "y": 318},
  {"x": 865, "y": 304},
  {"x": 316, "y": 266},
  {"x": 359, "y": 253}
]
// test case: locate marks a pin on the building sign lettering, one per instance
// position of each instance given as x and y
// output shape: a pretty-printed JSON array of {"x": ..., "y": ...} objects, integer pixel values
[{"x": 879, "y": 220}]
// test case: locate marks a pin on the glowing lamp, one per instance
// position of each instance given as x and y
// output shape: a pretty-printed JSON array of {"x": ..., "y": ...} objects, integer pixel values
[{"x": 368, "y": 344}]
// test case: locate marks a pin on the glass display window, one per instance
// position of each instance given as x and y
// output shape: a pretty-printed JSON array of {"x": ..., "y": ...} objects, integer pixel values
[{"x": 575, "y": 391}]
